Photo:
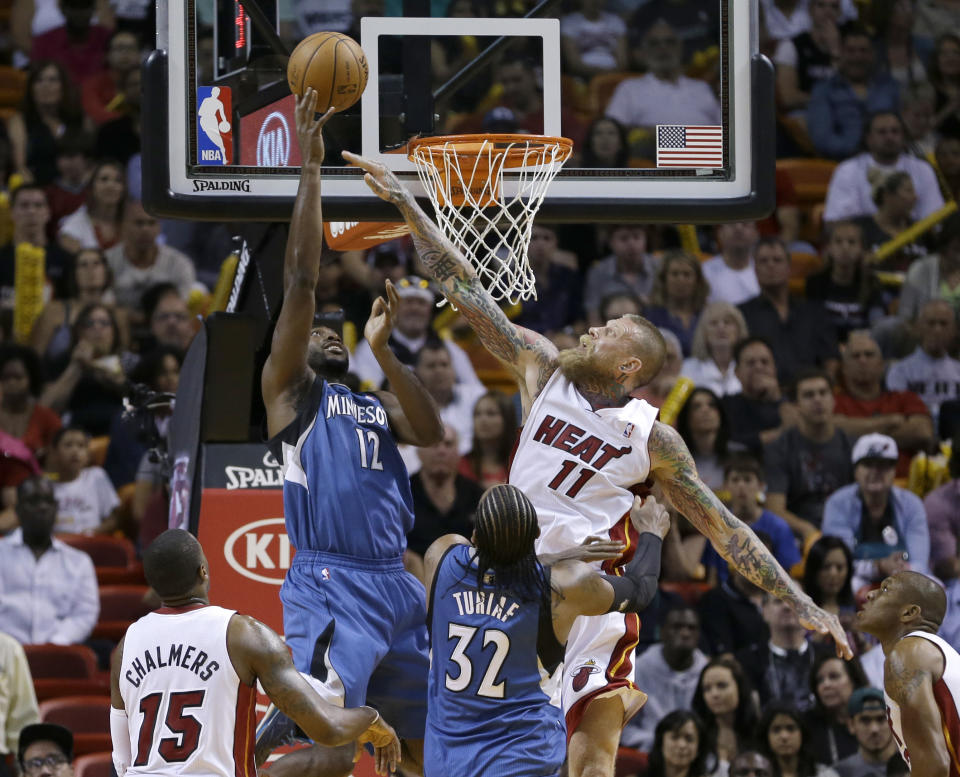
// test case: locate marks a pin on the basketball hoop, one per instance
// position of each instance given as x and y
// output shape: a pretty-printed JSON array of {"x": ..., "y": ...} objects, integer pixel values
[{"x": 463, "y": 176}]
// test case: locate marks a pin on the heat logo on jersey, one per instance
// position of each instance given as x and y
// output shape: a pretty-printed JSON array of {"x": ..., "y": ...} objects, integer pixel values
[
  {"x": 590, "y": 449},
  {"x": 214, "y": 125},
  {"x": 583, "y": 673}
]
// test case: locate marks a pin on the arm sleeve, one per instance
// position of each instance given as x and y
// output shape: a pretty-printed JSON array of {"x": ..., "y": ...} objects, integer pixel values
[
  {"x": 120, "y": 735},
  {"x": 636, "y": 589}
]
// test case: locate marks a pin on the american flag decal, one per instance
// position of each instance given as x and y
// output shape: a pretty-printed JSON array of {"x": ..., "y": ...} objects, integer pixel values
[{"x": 679, "y": 146}]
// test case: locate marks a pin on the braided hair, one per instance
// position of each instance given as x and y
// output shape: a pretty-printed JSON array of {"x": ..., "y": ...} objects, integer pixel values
[{"x": 505, "y": 532}]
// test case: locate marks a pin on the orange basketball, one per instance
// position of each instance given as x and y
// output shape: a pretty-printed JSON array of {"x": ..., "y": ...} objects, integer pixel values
[{"x": 333, "y": 64}]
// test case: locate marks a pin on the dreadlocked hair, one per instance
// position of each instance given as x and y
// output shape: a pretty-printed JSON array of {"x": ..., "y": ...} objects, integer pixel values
[{"x": 505, "y": 532}]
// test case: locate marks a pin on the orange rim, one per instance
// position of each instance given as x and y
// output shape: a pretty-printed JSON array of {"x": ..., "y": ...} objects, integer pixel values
[{"x": 472, "y": 145}]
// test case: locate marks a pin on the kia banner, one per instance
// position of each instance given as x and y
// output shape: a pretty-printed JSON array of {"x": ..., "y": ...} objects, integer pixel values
[{"x": 241, "y": 528}]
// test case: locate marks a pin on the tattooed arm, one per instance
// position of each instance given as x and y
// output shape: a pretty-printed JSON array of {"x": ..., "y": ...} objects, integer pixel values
[
  {"x": 257, "y": 653},
  {"x": 528, "y": 356},
  {"x": 912, "y": 668},
  {"x": 673, "y": 468}
]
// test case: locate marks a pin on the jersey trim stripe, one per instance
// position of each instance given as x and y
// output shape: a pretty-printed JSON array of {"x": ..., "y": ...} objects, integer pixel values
[
  {"x": 244, "y": 731},
  {"x": 623, "y": 666},
  {"x": 950, "y": 720}
]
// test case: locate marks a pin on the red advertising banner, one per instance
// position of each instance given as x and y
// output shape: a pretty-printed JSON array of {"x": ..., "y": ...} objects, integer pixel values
[
  {"x": 268, "y": 137},
  {"x": 243, "y": 534}
]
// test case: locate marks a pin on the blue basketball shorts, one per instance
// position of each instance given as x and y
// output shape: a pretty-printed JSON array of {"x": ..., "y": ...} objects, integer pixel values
[{"x": 359, "y": 627}]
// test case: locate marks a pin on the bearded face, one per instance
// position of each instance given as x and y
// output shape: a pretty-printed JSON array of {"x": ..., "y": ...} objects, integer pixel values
[
  {"x": 584, "y": 365},
  {"x": 326, "y": 354}
]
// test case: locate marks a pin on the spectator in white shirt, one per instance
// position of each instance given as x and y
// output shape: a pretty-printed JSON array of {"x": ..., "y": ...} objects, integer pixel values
[
  {"x": 138, "y": 262},
  {"x": 86, "y": 499},
  {"x": 410, "y": 333},
  {"x": 730, "y": 273},
  {"x": 663, "y": 95},
  {"x": 711, "y": 364},
  {"x": 850, "y": 193},
  {"x": 48, "y": 590},
  {"x": 929, "y": 371},
  {"x": 434, "y": 368}
]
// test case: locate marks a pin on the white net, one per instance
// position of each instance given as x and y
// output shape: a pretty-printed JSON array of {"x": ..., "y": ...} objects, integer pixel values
[{"x": 463, "y": 177}]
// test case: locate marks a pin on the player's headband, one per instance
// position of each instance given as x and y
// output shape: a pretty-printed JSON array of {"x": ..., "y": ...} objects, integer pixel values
[{"x": 332, "y": 319}]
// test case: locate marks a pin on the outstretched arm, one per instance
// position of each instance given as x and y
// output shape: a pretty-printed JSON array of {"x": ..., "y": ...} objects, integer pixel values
[
  {"x": 528, "y": 356},
  {"x": 912, "y": 668},
  {"x": 414, "y": 417},
  {"x": 285, "y": 373},
  {"x": 673, "y": 467}
]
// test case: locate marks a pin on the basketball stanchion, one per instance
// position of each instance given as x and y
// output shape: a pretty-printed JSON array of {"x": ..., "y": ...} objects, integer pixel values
[{"x": 463, "y": 176}]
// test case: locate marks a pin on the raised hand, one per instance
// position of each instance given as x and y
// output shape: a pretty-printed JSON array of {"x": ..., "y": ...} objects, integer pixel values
[
  {"x": 819, "y": 620},
  {"x": 310, "y": 128},
  {"x": 380, "y": 324},
  {"x": 386, "y": 746},
  {"x": 593, "y": 548},
  {"x": 380, "y": 179},
  {"x": 648, "y": 515}
]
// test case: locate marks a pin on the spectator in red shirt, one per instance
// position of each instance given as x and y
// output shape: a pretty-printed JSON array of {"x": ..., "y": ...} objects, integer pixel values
[
  {"x": 100, "y": 91},
  {"x": 864, "y": 406},
  {"x": 79, "y": 45},
  {"x": 68, "y": 191},
  {"x": 20, "y": 414}
]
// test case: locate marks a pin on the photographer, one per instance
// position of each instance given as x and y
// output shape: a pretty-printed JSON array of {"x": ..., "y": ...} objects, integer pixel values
[{"x": 138, "y": 437}]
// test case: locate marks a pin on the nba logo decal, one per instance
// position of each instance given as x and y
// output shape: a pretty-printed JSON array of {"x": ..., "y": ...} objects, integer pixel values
[
  {"x": 325, "y": 574},
  {"x": 214, "y": 125},
  {"x": 582, "y": 674},
  {"x": 628, "y": 430}
]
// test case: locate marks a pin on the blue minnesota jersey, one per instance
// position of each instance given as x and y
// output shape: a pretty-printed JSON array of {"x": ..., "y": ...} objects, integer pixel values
[
  {"x": 345, "y": 487},
  {"x": 487, "y": 715}
]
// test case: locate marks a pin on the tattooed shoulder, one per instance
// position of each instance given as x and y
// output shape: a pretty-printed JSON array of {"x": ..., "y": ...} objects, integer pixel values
[
  {"x": 668, "y": 450},
  {"x": 905, "y": 671}
]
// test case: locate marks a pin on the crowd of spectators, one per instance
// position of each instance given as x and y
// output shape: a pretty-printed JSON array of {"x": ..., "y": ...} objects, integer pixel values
[{"x": 818, "y": 385}]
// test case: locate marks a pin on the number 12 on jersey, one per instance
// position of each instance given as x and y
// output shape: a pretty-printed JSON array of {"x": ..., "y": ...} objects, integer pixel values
[{"x": 368, "y": 437}]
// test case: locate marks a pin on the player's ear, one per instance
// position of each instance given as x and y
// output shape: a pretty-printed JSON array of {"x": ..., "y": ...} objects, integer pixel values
[
  {"x": 909, "y": 612},
  {"x": 630, "y": 366}
]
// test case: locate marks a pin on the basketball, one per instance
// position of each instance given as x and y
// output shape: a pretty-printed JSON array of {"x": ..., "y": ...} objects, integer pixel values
[
  {"x": 224, "y": 126},
  {"x": 331, "y": 63}
]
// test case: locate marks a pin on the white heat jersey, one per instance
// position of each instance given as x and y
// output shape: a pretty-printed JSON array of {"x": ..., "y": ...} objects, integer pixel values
[
  {"x": 946, "y": 691},
  {"x": 577, "y": 464},
  {"x": 187, "y": 711}
]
